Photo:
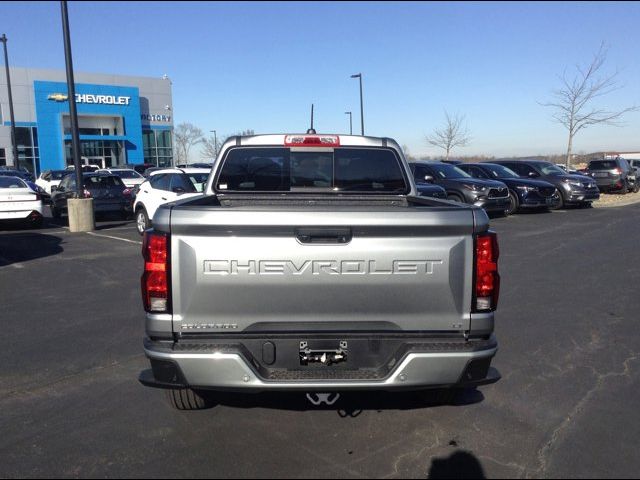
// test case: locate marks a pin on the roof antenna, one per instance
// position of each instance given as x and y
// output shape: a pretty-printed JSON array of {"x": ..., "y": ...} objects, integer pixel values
[{"x": 311, "y": 130}]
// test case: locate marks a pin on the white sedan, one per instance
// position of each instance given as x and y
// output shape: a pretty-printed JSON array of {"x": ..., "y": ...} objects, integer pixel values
[
  {"x": 129, "y": 177},
  {"x": 19, "y": 202}
]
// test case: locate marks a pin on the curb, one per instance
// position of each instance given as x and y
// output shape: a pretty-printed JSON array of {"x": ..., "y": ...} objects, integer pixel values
[{"x": 618, "y": 203}]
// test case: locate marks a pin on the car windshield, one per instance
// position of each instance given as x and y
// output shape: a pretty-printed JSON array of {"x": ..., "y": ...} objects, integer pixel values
[
  {"x": 126, "y": 173},
  {"x": 332, "y": 170},
  {"x": 444, "y": 170},
  {"x": 11, "y": 182},
  {"x": 550, "y": 169},
  {"x": 499, "y": 171}
]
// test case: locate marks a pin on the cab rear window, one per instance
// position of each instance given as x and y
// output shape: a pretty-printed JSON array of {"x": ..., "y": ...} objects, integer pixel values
[
  {"x": 358, "y": 170},
  {"x": 603, "y": 165}
]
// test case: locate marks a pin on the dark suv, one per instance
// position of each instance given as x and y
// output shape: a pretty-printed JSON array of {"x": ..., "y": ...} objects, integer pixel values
[
  {"x": 523, "y": 192},
  {"x": 613, "y": 175},
  {"x": 491, "y": 195},
  {"x": 577, "y": 190}
]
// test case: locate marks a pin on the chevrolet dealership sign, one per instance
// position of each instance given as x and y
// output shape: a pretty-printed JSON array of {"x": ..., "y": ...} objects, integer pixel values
[{"x": 90, "y": 98}]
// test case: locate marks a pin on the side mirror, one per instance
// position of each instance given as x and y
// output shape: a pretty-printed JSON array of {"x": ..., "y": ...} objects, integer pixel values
[
  {"x": 428, "y": 178},
  {"x": 533, "y": 175},
  {"x": 178, "y": 190}
]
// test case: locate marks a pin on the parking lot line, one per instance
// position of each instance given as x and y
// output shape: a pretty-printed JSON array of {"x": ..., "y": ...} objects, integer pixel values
[{"x": 114, "y": 238}]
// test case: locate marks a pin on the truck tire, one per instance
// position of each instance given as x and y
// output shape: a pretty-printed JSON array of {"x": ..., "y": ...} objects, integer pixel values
[{"x": 188, "y": 399}]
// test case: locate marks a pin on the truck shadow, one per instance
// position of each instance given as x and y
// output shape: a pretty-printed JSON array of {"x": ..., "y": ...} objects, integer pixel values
[
  {"x": 26, "y": 246},
  {"x": 350, "y": 404}
]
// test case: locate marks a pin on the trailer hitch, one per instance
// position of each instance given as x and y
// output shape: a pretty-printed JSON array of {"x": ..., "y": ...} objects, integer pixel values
[{"x": 323, "y": 356}]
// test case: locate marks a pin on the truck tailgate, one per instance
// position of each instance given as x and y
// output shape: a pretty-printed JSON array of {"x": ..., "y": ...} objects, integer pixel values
[{"x": 260, "y": 270}]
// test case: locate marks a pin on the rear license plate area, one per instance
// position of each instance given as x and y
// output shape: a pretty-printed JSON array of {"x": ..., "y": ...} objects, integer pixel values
[{"x": 323, "y": 352}]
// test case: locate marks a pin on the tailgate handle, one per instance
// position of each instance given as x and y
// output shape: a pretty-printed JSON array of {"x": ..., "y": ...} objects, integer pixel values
[{"x": 327, "y": 236}]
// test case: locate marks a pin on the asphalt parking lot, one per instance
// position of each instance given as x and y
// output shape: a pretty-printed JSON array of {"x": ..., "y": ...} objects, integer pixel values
[{"x": 567, "y": 405}]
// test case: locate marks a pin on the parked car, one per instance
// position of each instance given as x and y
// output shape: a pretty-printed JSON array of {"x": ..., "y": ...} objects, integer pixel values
[
  {"x": 51, "y": 178},
  {"x": 84, "y": 168},
  {"x": 573, "y": 189},
  {"x": 523, "y": 192},
  {"x": 7, "y": 172},
  {"x": 635, "y": 164},
  {"x": 491, "y": 195},
  {"x": 150, "y": 170},
  {"x": 44, "y": 195},
  {"x": 18, "y": 202},
  {"x": 613, "y": 175},
  {"x": 109, "y": 193},
  {"x": 139, "y": 167},
  {"x": 24, "y": 173},
  {"x": 431, "y": 190},
  {"x": 195, "y": 165},
  {"x": 130, "y": 177},
  {"x": 164, "y": 186}
]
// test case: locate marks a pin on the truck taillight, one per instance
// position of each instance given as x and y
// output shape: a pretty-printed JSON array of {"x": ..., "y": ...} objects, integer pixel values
[
  {"x": 155, "y": 279},
  {"x": 487, "y": 279}
]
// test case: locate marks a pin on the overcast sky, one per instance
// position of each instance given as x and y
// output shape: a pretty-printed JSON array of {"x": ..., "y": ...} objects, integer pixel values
[{"x": 259, "y": 66}]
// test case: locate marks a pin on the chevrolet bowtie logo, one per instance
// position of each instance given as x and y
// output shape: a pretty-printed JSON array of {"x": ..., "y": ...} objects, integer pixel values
[{"x": 58, "y": 97}]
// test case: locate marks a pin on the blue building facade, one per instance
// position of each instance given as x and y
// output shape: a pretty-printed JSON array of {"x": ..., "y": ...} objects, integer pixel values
[{"x": 122, "y": 120}]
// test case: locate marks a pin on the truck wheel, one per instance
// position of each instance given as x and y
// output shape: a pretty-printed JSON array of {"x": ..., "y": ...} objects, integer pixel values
[
  {"x": 188, "y": 399},
  {"x": 142, "y": 220},
  {"x": 636, "y": 186},
  {"x": 513, "y": 204},
  {"x": 455, "y": 197}
]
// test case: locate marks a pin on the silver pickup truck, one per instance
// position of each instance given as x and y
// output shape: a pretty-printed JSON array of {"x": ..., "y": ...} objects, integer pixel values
[{"x": 311, "y": 264}]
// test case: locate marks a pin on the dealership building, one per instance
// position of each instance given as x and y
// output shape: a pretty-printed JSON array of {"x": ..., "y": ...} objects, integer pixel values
[{"x": 122, "y": 119}]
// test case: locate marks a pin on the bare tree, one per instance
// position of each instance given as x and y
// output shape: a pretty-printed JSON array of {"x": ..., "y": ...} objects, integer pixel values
[
  {"x": 210, "y": 148},
  {"x": 407, "y": 153},
  {"x": 454, "y": 134},
  {"x": 573, "y": 101},
  {"x": 186, "y": 136}
]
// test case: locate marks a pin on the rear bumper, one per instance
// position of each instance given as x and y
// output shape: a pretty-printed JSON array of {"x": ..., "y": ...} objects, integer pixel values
[
  {"x": 233, "y": 367},
  {"x": 30, "y": 213}
]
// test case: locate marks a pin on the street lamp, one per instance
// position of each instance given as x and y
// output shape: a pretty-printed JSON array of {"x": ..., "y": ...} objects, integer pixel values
[
  {"x": 14, "y": 148},
  {"x": 71, "y": 87},
  {"x": 215, "y": 142},
  {"x": 350, "y": 122},
  {"x": 359, "y": 75}
]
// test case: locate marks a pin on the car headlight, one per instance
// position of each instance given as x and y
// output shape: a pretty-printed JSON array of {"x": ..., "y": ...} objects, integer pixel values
[
  {"x": 572, "y": 183},
  {"x": 525, "y": 188},
  {"x": 473, "y": 187}
]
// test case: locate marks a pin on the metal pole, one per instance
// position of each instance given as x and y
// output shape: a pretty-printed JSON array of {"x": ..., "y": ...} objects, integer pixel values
[
  {"x": 359, "y": 76},
  {"x": 14, "y": 147},
  {"x": 75, "y": 137},
  {"x": 215, "y": 142},
  {"x": 350, "y": 122}
]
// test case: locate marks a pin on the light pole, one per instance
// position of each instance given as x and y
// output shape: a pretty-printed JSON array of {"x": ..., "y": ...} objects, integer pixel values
[
  {"x": 80, "y": 210},
  {"x": 73, "y": 113},
  {"x": 14, "y": 147},
  {"x": 215, "y": 142},
  {"x": 359, "y": 75},
  {"x": 350, "y": 123}
]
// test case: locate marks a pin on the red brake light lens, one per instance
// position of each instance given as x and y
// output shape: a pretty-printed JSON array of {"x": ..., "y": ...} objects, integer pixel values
[
  {"x": 155, "y": 279},
  {"x": 126, "y": 192},
  {"x": 86, "y": 193},
  {"x": 487, "y": 284},
  {"x": 312, "y": 141}
]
